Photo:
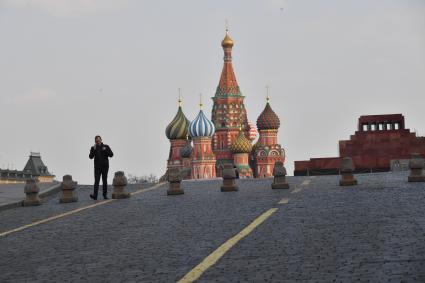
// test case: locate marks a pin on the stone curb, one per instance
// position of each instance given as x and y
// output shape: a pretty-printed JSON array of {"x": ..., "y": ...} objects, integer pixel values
[{"x": 50, "y": 191}]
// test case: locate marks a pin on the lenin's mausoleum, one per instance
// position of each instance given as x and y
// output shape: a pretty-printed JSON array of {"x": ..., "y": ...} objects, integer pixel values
[{"x": 381, "y": 143}]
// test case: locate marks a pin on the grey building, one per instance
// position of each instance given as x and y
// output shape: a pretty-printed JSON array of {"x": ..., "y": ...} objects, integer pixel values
[{"x": 35, "y": 168}]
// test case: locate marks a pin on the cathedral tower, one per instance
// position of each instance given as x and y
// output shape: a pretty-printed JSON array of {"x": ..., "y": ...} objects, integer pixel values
[
  {"x": 228, "y": 111},
  {"x": 267, "y": 150},
  {"x": 201, "y": 130},
  {"x": 177, "y": 132},
  {"x": 241, "y": 148}
]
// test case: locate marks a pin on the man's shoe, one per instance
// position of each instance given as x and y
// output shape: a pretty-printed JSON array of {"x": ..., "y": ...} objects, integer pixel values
[
  {"x": 93, "y": 197},
  {"x": 105, "y": 197}
]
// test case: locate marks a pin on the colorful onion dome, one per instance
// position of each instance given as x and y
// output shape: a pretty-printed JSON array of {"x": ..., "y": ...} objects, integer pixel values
[
  {"x": 268, "y": 120},
  {"x": 241, "y": 144},
  {"x": 252, "y": 130},
  {"x": 201, "y": 126},
  {"x": 186, "y": 151},
  {"x": 178, "y": 128},
  {"x": 227, "y": 42}
]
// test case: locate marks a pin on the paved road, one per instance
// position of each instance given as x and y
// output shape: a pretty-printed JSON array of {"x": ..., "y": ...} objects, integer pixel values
[
  {"x": 15, "y": 192},
  {"x": 373, "y": 232}
]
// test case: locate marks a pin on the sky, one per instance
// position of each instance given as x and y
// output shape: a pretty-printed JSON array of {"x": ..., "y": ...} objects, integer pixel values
[{"x": 72, "y": 69}]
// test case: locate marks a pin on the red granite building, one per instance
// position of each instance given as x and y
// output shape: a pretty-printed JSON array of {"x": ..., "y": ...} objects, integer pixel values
[{"x": 379, "y": 141}]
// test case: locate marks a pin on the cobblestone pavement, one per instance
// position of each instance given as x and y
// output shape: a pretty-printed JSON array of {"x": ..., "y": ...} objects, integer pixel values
[
  {"x": 371, "y": 232},
  {"x": 20, "y": 216},
  {"x": 15, "y": 192}
]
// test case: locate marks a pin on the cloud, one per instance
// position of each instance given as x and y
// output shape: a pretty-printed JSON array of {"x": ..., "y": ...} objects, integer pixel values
[
  {"x": 35, "y": 96},
  {"x": 67, "y": 8}
]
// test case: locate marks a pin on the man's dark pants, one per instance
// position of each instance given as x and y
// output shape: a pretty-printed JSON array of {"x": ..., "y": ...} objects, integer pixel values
[{"x": 101, "y": 171}]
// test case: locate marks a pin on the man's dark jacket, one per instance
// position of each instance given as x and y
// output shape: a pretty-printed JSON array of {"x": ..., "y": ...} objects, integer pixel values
[{"x": 100, "y": 153}]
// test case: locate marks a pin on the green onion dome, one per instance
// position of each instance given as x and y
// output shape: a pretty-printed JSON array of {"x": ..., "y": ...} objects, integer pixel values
[
  {"x": 178, "y": 128},
  {"x": 268, "y": 120},
  {"x": 241, "y": 144}
]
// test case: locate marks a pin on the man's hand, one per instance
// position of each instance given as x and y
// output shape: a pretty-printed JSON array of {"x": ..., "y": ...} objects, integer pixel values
[{"x": 92, "y": 152}]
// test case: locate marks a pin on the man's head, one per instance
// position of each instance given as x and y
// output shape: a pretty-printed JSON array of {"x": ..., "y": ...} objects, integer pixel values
[{"x": 98, "y": 139}]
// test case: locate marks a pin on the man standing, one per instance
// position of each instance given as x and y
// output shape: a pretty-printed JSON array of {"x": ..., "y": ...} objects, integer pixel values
[{"x": 100, "y": 152}]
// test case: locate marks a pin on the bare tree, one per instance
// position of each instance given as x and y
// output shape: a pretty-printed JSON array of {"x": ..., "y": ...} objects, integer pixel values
[{"x": 134, "y": 179}]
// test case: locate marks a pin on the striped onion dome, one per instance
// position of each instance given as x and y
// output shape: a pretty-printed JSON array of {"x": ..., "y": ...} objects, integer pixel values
[
  {"x": 201, "y": 126},
  {"x": 241, "y": 144},
  {"x": 178, "y": 128},
  {"x": 268, "y": 120},
  {"x": 252, "y": 131}
]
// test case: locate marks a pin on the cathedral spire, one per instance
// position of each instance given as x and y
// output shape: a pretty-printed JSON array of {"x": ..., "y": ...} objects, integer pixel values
[
  {"x": 180, "y": 98},
  {"x": 267, "y": 95},
  {"x": 228, "y": 112},
  {"x": 201, "y": 105},
  {"x": 228, "y": 86}
]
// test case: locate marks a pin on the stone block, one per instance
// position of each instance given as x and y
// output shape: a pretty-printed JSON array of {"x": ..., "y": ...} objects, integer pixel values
[
  {"x": 347, "y": 165},
  {"x": 347, "y": 168},
  {"x": 347, "y": 179},
  {"x": 68, "y": 190},
  {"x": 174, "y": 181},
  {"x": 31, "y": 190},
  {"x": 119, "y": 184},
  {"x": 416, "y": 165},
  {"x": 229, "y": 179},
  {"x": 279, "y": 174}
]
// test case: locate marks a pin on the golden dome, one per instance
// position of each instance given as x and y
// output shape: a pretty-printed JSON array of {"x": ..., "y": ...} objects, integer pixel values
[
  {"x": 241, "y": 144},
  {"x": 227, "y": 41}
]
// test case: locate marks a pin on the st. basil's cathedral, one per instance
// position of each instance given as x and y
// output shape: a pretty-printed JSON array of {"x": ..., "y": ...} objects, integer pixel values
[{"x": 201, "y": 147}]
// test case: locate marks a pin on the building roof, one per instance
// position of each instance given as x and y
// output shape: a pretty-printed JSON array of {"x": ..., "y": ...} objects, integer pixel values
[
  {"x": 268, "y": 120},
  {"x": 227, "y": 41},
  {"x": 35, "y": 165},
  {"x": 241, "y": 144},
  {"x": 201, "y": 126},
  {"x": 178, "y": 128},
  {"x": 228, "y": 86}
]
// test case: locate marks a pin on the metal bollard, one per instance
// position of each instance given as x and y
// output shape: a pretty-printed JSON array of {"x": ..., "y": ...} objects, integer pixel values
[
  {"x": 279, "y": 173},
  {"x": 416, "y": 165},
  {"x": 119, "y": 184},
  {"x": 68, "y": 190},
  {"x": 174, "y": 179},
  {"x": 31, "y": 190},
  {"x": 347, "y": 168},
  {"x": 229, "y": 179}
]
